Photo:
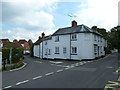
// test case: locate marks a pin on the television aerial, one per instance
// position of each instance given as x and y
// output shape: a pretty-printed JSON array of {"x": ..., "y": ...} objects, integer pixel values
[{"x": 72, "y": 16}]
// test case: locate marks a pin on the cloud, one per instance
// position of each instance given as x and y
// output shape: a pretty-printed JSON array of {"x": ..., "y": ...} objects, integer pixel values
[
  {"x": 28, "y": 18},
  {"x": 103, "y": 13}
]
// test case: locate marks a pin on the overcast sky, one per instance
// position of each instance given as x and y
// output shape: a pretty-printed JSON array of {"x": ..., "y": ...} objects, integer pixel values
[{"x": 27, "y": 19}]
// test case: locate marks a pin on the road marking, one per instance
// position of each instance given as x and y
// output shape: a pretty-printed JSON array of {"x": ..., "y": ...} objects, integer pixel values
[
  {"x": 55, "y": 62},
  {"x": 71, "y": 66},
  {"x": 80, "y": 63},
  {"x": 84, "y": 62},
  {"x": 113, "y": 85},
  {"x": 22, "y": 82},
  {"x": 20, "y": 67},
  {"x": 49, "y": 73},
  {"x": 118, "y": 70},
  {"x": 7, "y": 87},
  {"x": 119, "y": 78},
  {"x": 58, "y": 65},
  {"x": 67, "y": 68},
  {"x": 38, "y": 61},
  {"x": 59, "y": 70},
  {"x": 37, "y": 77}
]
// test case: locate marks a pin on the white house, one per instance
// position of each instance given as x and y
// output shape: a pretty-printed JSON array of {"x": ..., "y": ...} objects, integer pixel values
[{"x": 76, "y": 42}]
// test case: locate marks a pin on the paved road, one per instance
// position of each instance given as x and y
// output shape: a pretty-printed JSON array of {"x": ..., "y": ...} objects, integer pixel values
[{"x": 63, "y": 74}]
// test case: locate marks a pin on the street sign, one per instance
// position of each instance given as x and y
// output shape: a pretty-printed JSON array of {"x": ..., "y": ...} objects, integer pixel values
[{"x": 17, "y": 54}]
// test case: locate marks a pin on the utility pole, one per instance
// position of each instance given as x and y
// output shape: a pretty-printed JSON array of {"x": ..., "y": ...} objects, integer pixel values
[{"x": 10, "y": 57}]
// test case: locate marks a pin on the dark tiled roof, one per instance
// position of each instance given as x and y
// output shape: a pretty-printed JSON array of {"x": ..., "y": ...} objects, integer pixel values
[
  {"x": 30, "y": 43},
  {"x": 47, "y": 37},
  {"x": 22, "y": 41},
  {"x": 78, "y": 29},
  {"x": 4, "y": 40},
  {"x": 15, "y": 45}
]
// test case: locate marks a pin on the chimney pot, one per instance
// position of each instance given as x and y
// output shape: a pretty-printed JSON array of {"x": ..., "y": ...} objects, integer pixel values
[
  {"x": 74, "y": 23},
  {"x": 43, "y": 35}
]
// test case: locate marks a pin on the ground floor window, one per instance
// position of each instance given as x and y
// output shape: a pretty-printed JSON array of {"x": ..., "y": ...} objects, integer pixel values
[
  {"x": 56, "y": 50},
  {"x": 74, "y": 50},
  {"x": 64, "y": 50},
  {"x": 49, "y": 51}
]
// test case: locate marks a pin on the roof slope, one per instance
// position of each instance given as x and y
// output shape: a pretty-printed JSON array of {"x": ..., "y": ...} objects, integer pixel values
[{"x": 78, "y": 29}]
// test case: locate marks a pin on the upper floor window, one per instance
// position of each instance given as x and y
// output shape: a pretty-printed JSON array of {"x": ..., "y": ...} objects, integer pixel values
[
  {"x": 56, "y": 38},
  {"x": 74, "y": 37},
  {"x": 95, "y": 48},
  {"x": 98, "y": 38},
  {"x": 74, "y": 50},
  {"x": 49, "y": 51},
  {"x": 101, "y": 39},
  {"x": 46, "y": 51},
  {"x": 64, "y": 50},
  {"x": 56, "y": 50}
]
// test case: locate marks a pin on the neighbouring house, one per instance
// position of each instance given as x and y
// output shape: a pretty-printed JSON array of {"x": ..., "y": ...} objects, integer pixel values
[
  {"x": 36, "y": 48},
  {"x": 73, "y": 43},
  {"x": 1, "y": 44},
  {"x": 25, "y": 46},
  {"x": 30, "y": 43},
  {"x": 6, "y": 44}
]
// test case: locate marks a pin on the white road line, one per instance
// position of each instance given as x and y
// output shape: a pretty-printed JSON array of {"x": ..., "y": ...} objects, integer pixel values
[
  {"x": 81, "y": 63},
  {"x": 38, "y": 61},
  {"x": 71, "y": 66},
  {"x": 58, "y": 65},
  {"x": 59, "y": 70},
  {"x": 37, "y": 77},
  {"x": 49, "y": 73},
  {"x": 20, "y": 67},
  {"x": 22, "y": 82},
  {"x": 67, "y": 68},
  {"x": 7, "y": 87}
]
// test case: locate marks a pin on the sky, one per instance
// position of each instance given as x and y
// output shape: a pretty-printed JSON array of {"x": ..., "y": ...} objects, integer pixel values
[{"x": 27, "y": 19}]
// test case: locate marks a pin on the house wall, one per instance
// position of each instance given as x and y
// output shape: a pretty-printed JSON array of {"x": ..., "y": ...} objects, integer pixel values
[
  {"x": 85, "y": 47},
  {"x": 101, "y": 43},
  {"x": 0, "y": 60},
  {"x": 36, "y": 50},
  {"x": 64, "y": 41}
]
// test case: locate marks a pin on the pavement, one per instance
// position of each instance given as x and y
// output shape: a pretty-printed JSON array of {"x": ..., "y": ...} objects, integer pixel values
[{"x": 63, "y": 74}]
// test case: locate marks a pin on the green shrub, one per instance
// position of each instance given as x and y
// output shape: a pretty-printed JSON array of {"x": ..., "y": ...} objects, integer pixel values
[{"x": 15, "y": 58}]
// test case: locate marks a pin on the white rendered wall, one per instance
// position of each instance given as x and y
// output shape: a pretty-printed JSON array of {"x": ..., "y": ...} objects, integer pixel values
[{"x": 36, "y": 50}]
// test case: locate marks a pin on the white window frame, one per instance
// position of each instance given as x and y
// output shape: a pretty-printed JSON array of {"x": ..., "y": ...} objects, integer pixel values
[
  {"x": 73, "y": 37},
  {"x": 74, "y": 50},
  {"x": 46, "y": 51},
  {"x": 57, "y": 50},
  {"x": 56, "y": 38},
  {"x": 49, "y": 51},
  {"x": 64, "y": 50}
]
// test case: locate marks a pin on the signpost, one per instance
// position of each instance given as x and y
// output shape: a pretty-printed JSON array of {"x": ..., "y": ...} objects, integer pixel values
[{"x": 10, "y": 57}]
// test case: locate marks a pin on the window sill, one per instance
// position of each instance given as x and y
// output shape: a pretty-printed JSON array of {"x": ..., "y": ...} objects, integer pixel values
[
  {"x": 73, "y": 39},
  {"x": 74, "y": 54},
  {"x": 57, "y": 53},
  {"x": 56, "y": 41}
]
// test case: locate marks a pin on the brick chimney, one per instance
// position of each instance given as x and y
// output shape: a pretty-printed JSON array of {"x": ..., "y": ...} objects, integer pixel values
[
  {"x": 94, "y": 28},
  {"x": 43, "y": 35},
  {"x": 74, "y": 23},
  {"x": 15, "y": 41}
]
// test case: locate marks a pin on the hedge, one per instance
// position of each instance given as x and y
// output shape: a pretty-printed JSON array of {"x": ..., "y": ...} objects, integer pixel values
[{"x": 15, "y": 58}]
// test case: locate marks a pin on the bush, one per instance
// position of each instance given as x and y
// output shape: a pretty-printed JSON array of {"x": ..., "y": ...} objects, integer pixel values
[{"x": 15, "y": 58}]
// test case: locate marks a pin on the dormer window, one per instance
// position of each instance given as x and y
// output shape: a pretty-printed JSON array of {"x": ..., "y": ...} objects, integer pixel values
[
  {"x": 56, "y": 38},
  {"x": 74, "y": 37}
]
